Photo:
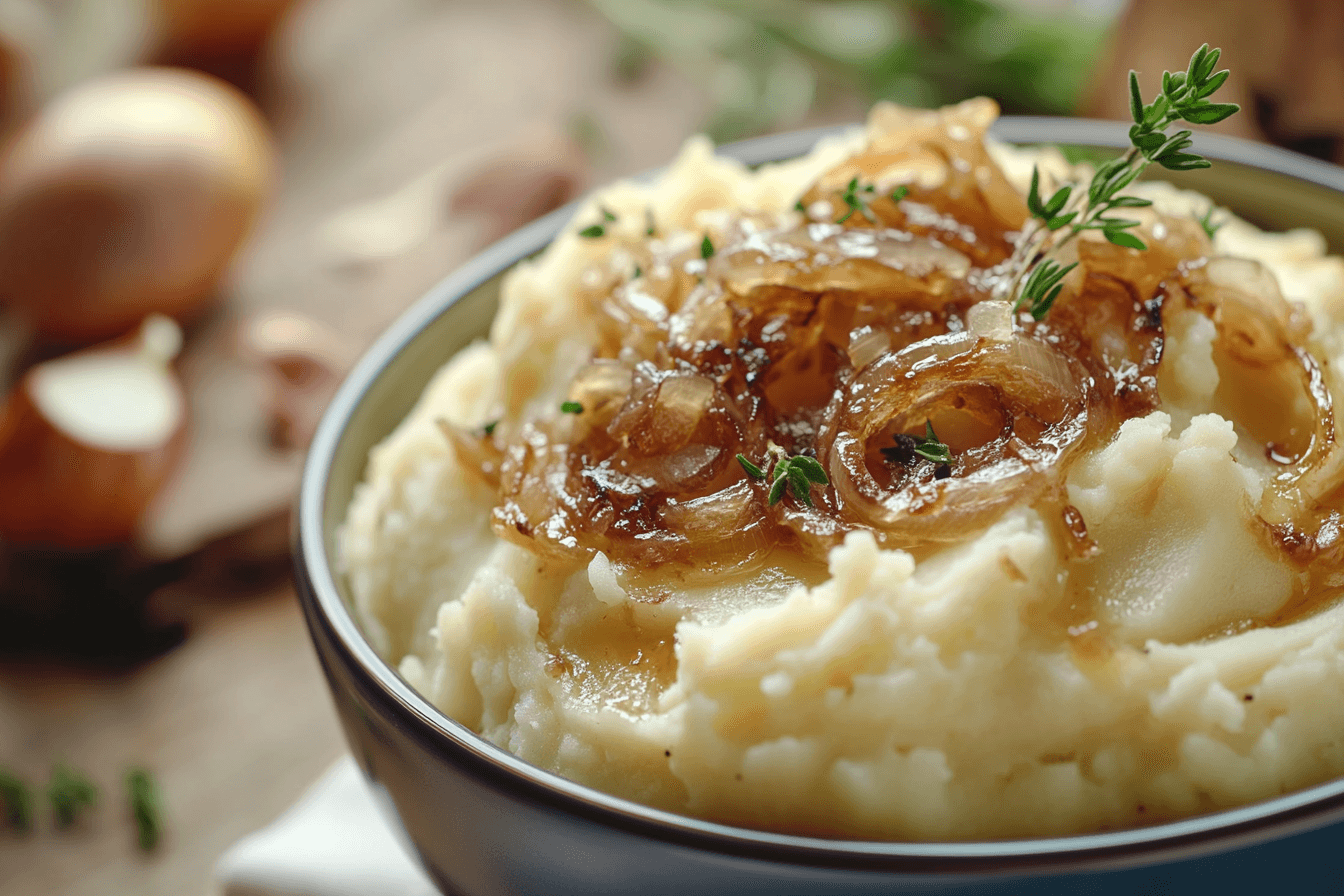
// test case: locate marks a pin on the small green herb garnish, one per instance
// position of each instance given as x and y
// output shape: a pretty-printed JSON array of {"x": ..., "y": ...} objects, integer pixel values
[
  {"x": 908, "y": 448},
  {"x": 1184, "y": 97},
  {"x": 1043, "y": 286},
  {"x": 752, "y": 470},
  {"x": 593, "y": 232},
  {"x": 571, "y": 407},
  {"x": 69, "y": 793},
  {"x": 930, "y": 448},
  {"x": 649, "y": 228},
  {"x": 1210, "y": 226},
  {"x": 639, "y": 272},
  {"x": 796, "y": 474},
  {"x": 854, "y": 198},
  {"x": 145, "y": 807},
  {"x": 607, "y": 215},
  {"x": 16, "y": 802},
  {"x": 706, "y": 248},
  {"x": 857, "y": 196},
  {"x": 489, "y": 428},
  {"x": 799, "y": 207}
]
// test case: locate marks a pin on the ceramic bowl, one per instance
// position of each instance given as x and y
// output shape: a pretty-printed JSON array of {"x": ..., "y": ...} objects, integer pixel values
[{"x": 485, "y": 823}]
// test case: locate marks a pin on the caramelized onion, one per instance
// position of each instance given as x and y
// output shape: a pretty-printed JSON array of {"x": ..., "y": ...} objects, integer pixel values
[
  {"x": 844, "y": 339},
  {"x": 1275, "y": 390},
  {"x": 474, "y": 450},
  {"x": 1023, "y": 384},
  {"x": 888, "y": 264}
]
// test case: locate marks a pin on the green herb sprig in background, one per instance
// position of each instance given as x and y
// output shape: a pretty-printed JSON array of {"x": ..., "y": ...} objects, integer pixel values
[
  {"x": 69, "y": 793},
  {"x": 146, "y": 808},
  {"x": 16, "y": 802},
  {"x": 1185, "y": 96}
]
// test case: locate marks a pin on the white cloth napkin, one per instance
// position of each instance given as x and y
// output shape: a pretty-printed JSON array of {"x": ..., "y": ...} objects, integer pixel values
[{"x": 333, "y": 842}]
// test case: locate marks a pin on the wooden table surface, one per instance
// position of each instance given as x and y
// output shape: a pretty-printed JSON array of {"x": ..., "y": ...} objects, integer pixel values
[{"x": 234, "y": 724}]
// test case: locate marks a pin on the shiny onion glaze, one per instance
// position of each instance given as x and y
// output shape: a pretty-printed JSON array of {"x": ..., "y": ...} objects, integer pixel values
[{"x": 806, "y": 336}]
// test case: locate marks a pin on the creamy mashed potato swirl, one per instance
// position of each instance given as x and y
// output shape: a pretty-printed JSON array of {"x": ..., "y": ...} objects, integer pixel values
[{"x": 1143, "y": 627}]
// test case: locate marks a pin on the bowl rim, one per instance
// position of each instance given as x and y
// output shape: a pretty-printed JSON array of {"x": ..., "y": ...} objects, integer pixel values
[{"x": 1280, "y": 816}]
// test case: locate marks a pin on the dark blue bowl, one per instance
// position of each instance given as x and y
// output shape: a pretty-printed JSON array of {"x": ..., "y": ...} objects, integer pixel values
[{"x": 485, "y": 822}]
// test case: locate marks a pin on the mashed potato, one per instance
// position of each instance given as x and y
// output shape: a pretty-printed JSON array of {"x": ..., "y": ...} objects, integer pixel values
[{"x": 1170, "y": 645}]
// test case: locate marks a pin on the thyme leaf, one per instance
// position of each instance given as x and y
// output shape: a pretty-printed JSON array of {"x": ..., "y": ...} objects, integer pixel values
[
  {"x": 907, "y": 448},
  {"x": 931, "y": 448},
  {"x": 796, "y": 474},
  {"x": 1210, "y": 226},
  {"x": 751, "y": 469}
]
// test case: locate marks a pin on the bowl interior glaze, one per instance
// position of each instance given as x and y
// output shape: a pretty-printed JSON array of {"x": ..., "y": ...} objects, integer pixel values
[{"x": 1272, "y": 188}]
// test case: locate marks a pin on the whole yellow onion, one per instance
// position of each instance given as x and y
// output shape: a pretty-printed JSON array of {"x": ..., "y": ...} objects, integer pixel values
[{"x": 129, "y": 195}]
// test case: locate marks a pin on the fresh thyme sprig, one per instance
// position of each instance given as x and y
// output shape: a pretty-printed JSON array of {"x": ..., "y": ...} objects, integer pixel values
[
  {"x": 1185, "y": 96},
  {"x": 1043, "y": 286},
  {"x": 797, "y": 474}
]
